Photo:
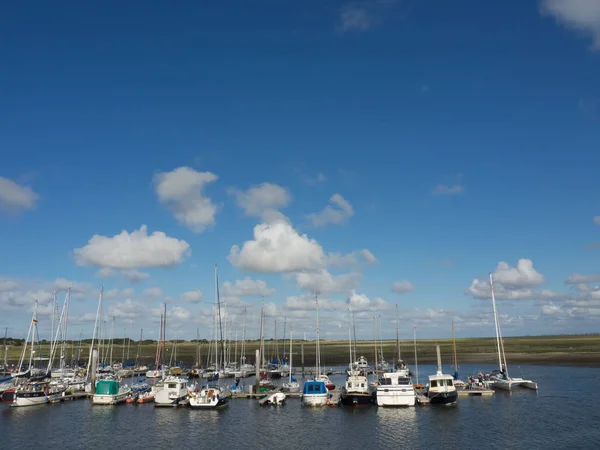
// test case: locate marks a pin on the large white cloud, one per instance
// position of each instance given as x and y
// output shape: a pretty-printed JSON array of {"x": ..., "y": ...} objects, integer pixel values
[
  {"x": 262, "y": 199},
  {"x": 278, "y": 248},
  {"x": 247, "y": 288},
  {"x": 132, "y": 251},
  {"x": 323, "y": 281},
  {"x": 402, "y": 287},
  {"x": 583, "y": 16},
  {"x": 15, "y": 197},
  {"x": 509, "y": 282},
  {"x": 336, "y": 214},
  {"x": 181, "y": 190}
]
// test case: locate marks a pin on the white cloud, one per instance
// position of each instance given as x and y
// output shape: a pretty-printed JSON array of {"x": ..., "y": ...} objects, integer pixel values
[
  {"x": 134, "y": 276},
  {"x": 324, "y": 282},
  {"x": 597, "y": 220},
  {"x": 582, "y": 16},
  {"x": 8, "y": 285},
  {"x": 262, "y": 199},
  {"x": 247, "y": 288},
  {"x": 336, "y": 214},
  {"x": 351, "y": 259},
  {"x": 181, "y": 191},
  {"x": 153, "y": 292},
  {"x": 356, "y": 18},
  {"x": 128, "y": 309},
  {"x": 131, "y": 251},
  {"x": 116, "y": 293},
  {"x": 402, "y": 287},
  {"x": 576, "y": 278},
  {"x": 192, "y": 296},
  {"x": 360, "y": 302},
  {"x": 277, "y": 248},
  {"x": 509, "y": 282},
  {"x": 105, "y": 272},
  {"x": 15, "y": 197},
  {"x": 442, "y": 189},
  {"x": 368, "y": 256}
]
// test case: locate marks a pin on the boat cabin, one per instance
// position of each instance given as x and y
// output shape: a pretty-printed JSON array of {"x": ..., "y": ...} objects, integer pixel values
[{"x": 314, "y": 387}]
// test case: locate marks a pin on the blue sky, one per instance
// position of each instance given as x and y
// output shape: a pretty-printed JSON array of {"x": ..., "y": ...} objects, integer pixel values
[{"x": 341, "y": 146}]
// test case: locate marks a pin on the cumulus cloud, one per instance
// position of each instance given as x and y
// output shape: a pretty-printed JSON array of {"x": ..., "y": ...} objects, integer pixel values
[
  {"x": 277, "y": 248},
  {"x": 351, "y": 259},
  {"x": 8, "y": 285},
  {"x": 360, "y": 302},
  {"x": 153, "y": 292},
  {"x": 192, "y": 296},
  {"x": 262, "y": 200},
  {"x": 576, "y": 278},
  {"x": 116, "y": 293},
  {"x": 132, "y": 251},
  {"x": 181, "y": 190},
  {"x": 105, "y": 272},
  {"x": 582, "y": 16},
  {"x": 247, "y": 288},
  {"x": 128, "y": 309},
  {"x": 134, "y": 276},
  {"x": 15, "y": 197},
  {"x": 324, "y": 282},
  {"x": 336, "y": 214},
  {"x": 402, "y": 287},
  {"x": 509, "y": 282}
]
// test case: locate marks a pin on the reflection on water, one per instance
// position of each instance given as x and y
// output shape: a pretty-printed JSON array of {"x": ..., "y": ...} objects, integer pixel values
[{"x": 561, "y": 415}]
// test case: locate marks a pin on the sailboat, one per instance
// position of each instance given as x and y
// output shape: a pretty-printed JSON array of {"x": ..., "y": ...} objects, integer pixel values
[
  {"x": 212, "y": 396},
  {"x": 291, "y": 385},
  {"x": 501, "y": 379},
  {"x": 315, "y": 391},
  {"x": 356, "y": 390},
  {"x": 441, "y": 386}
]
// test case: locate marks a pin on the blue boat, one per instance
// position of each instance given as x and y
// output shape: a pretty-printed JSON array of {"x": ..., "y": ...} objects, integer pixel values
[{"x": 315, "y": 393}]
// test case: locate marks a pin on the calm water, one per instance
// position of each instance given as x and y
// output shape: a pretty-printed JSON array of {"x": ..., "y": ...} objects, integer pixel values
[{"x": 563, "y": 414}]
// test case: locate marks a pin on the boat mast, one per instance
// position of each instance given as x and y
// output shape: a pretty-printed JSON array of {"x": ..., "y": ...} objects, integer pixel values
[
  {"x": 381, "y": 340},
  {"x": 98, "y": 313},
  {"x": 276, "y": 344},
  {"x": 354, "y": 326},
  {"x": 262, "y": 331},
  {"x": 318, "y": 349},
  {"x": 34, "y": 322},
  {"x": 219, "y": 309},
  {"x": 439, "y": 359},
  {"x": 416, "y": 362},
  {"x": 284, "y": 324},
  {"x": 496, "y": 323},
  {"x": 397, "y": 336},
  {"x": 54, "y": 311},
  {"x": 5, "y": 348},
  {"x": 112, "y": 342},
  {"x": 198, "y": 347},
  {"x": 375, "y": 342},
  {"x": 291, "y": 340},
  {"x": 350, "y": 342},
  {"x": 139, "y": 349},
  {"x": 243, "y": 352},
  {"x": 454, "y": 343}
]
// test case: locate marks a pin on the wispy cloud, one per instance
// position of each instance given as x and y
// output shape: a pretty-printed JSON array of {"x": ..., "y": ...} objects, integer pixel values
[
  {"x": 362, "y": 16},
  {"x": 582, "y": 16},
  {"x": 443, "y": 189}
]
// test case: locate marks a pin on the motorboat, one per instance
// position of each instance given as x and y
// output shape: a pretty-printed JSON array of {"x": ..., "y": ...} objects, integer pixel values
[
  {"x": 357, "y": 391},
  {"x": 277, "y": 399},
  {"x": 209, "y": 397},
  {"x": 174, "y": 392},
  {"x": 328, "y": 383},
  {"x": 441, "y": 389},
  {"x": 315, "y": 393},
  {"x": 110, "y": 392},
  {"x": 395, "y": 389}
]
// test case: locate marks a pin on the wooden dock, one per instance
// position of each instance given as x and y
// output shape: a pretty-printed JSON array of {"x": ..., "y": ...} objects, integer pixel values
[
  {"x": 68, "y": 397},
  {"x": 475, "y": 392}
]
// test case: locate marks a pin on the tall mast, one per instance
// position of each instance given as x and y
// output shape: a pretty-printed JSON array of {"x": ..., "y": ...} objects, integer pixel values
[
  {"x": 416, "y": 361},
  {"x": 98, "y": 314},
  {"x": 284, "y": 324},
  {"x": 354, "y": 326},
  {"x": 398, "y": 336},
  {"x": 54, "y": 308},
  {"x": 375, "y": 341},
  {"x": 276, "y": 344},
  {"x": 112, "y": 342},
  {"x": 291, "y": 340},
  {"x": 496, "y": 323},
  {"x": 5, "y": 348},
  {"x": 318, "y": 348},
  {"x": 381, "y": 339},
  {"x": 34, "y": 322},
  {"x": 219, "y": 309},
  {"x": 198, "y": 347},
  {"x": 262, "y": 331},
  {"x": 454, "y": 344},
  {"x": 243, "y": 352},
  {"x": 350, "y": 342},
  {"x": 139, "y": 349}
]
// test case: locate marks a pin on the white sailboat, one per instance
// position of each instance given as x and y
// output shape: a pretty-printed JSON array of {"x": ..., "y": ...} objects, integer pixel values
[
  {"x": 502, "y": 379},
  {"x": 291, "y": 385},
  {"x": 315, "y": 391}
]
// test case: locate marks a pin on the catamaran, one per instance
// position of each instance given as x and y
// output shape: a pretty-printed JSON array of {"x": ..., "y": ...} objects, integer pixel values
[{"x": 501, "y": 379}]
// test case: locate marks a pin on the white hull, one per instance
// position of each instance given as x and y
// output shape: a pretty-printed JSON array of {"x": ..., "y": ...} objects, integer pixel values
[
  {"x": 507, "y": 385},
  {"x": 314, "y": 399},
  {"x": 396, "y": 397},
  {"x": 162, "y": 398},
  {"x": 100, "y": 399},
  {"x": 29, "y": 401}
]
